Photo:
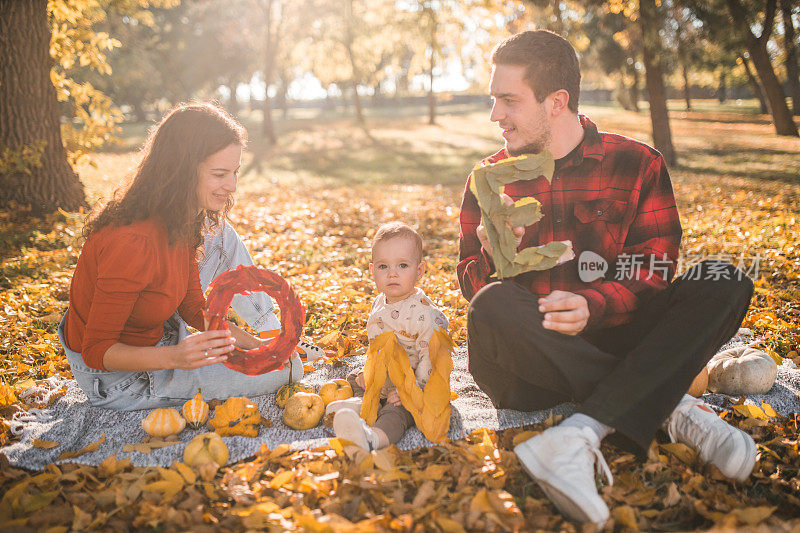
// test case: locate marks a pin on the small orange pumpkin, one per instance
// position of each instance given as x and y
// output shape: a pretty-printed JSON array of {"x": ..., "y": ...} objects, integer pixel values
[
  {"x": 237, "y": 416},
  {"x": 195, "y": 411},
  {"x": 163, "y": 422}
]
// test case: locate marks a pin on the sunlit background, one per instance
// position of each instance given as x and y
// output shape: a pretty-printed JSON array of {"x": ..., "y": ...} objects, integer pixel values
[{"x": 273, "y": 60}]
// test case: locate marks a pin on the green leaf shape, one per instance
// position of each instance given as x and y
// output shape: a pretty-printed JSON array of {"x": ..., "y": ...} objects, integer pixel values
[{"x": 486, "y": 183}]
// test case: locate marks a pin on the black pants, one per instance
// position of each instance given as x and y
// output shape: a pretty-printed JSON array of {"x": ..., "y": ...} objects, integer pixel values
[{"x": 629, "y": 377}]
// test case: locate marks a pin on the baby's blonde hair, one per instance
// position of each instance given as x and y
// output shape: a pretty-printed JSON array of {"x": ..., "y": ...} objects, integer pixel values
[{"x": 396, "y": 229}]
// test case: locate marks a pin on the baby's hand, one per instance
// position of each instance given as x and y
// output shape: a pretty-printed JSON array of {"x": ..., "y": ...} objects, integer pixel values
[
  {"x": 394, "y": 398},
  {"x": 360, "y": 380}
]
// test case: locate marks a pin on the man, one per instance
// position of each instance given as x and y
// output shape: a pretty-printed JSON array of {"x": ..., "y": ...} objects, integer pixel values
[{"x": 624, "y": 346}]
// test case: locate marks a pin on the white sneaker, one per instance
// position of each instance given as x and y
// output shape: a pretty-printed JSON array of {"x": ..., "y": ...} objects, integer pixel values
[
  {"x": 562, "y": 460},
  {"x": 353, "y": 403},
  {"x": 728, "y": 448},
  {"x": 309, "y": 351},
  {"x": 348, "y": 425}
]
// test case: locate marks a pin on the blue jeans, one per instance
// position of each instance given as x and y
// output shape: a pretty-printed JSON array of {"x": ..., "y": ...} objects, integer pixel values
[
  {"x": 224, "y": 250},
  {"x": 128, "y": 391}
]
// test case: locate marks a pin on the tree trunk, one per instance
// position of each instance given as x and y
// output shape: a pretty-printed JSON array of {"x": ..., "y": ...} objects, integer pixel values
[
  {"x": 233, "y": 100},
  {"x": 634, "y": 88},
  {"x": 283, "y": 100},
  {"x": 754, "y": 86},
  {"x": 432, "y": 44},
  {"x": 29, "y": 118},
  {"x": 559, "y": 25},
  {"x": 792, "y": 74},
  {"x": 686, "y": 87},
  {"x": 348, "y": 44},
  {"x": 654, "y": 78},
  {"x": 357, "y": 104},
  {"x": 757, "y": 47},
  {"x": 139, "y": 113},
  {"x": 622, "y": 93},
  {"x": 722, "y": 87},
  {"x": 377, "y": 94},
  {"x": 267, "y": 125}
]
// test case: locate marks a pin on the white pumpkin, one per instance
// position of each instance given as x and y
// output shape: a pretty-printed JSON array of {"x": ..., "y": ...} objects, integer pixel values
[{"x": 741, "y": 370}]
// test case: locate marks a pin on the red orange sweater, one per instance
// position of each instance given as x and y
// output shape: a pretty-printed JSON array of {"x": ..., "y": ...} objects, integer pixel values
[{"x": 127, "y": 282}]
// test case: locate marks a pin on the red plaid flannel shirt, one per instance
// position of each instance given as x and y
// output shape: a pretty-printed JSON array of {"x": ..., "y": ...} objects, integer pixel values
[{"x": 612, "y": 195}]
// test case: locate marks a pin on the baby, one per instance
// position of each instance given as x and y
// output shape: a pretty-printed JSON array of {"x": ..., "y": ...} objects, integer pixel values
[{"x": 401, "y": 307}]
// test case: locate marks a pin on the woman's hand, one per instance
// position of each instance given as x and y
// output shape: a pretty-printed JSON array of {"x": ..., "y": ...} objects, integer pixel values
[
  {"x": 245, "y": 341},
  {"x": 202, "y": 349}
]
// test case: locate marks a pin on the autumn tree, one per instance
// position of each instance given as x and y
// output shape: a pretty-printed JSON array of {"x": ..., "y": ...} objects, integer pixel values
[
  {"x": 151, "y": 63},
  {"x": 614, "y": 51},
  {"x": 34, "y": 170},
  {"x": 352, "y": 44},
  {"x": 42, "y": 44},
  {"x": 652, "y": 55},
  {"x": 685, "y": 37},
  {"x": 790, "y": 47},
  {"x": 743, "y": 17},
  {"x": 274, "y": 17},
  {"x": 755, "y": 87},
  {"x": 435, "y": 28},
  {"x": 757, "y": 47}
]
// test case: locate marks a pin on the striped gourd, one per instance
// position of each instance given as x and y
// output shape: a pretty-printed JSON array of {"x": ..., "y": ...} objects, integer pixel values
[
  {"x": 163, "y": 422},
  {"x": 195, "y": 411}
]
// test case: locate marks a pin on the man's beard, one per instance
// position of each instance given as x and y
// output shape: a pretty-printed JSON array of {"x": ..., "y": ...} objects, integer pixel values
[{"x": 535, "y": 147}]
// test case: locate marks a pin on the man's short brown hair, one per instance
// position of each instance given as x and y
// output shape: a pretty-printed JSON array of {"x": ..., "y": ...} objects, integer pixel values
[
  {"x": 392, "y": 230},
  {"x": 550, "y": 63}
]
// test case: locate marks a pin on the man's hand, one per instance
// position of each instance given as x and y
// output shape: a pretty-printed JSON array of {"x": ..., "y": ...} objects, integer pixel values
[
  {"x": 565, "y": 312},
  {"x": 518, "y": 231}
]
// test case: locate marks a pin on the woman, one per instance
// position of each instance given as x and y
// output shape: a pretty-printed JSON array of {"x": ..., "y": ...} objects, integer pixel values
[{"x": 139, "y": 267}]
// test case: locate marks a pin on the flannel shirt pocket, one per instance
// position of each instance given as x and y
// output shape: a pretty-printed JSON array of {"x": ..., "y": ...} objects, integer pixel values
[
  {"x": 603, "y": 209},
  {"x": 599, "y": 224}
]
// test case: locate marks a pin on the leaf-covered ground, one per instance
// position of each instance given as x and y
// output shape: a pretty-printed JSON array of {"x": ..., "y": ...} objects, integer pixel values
[{"x": 307, "y": 209}]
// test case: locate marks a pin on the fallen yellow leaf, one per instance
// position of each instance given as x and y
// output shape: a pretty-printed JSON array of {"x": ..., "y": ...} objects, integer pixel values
[
  {"x": 681, "y": 451},
  {"x": 7, "y": 396},
  {"x": 523, "y": 436},
  {"x": 22, "y": 385},
  {"x": 768, "y": 410},
  {"x": 753, "y": 515},
  {"x": 750, "y": 411},
  {"x": 187, "y": 473},
  {"x": 91, "y": 447},
  {"x": 147, "y": 447},
  {"x": 625, "y": 516},
  {"x": 281, "y": 479}
]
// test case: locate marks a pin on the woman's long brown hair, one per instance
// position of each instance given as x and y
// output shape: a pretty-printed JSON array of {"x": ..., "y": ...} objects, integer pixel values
[{"x": 164, "y": 184}]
